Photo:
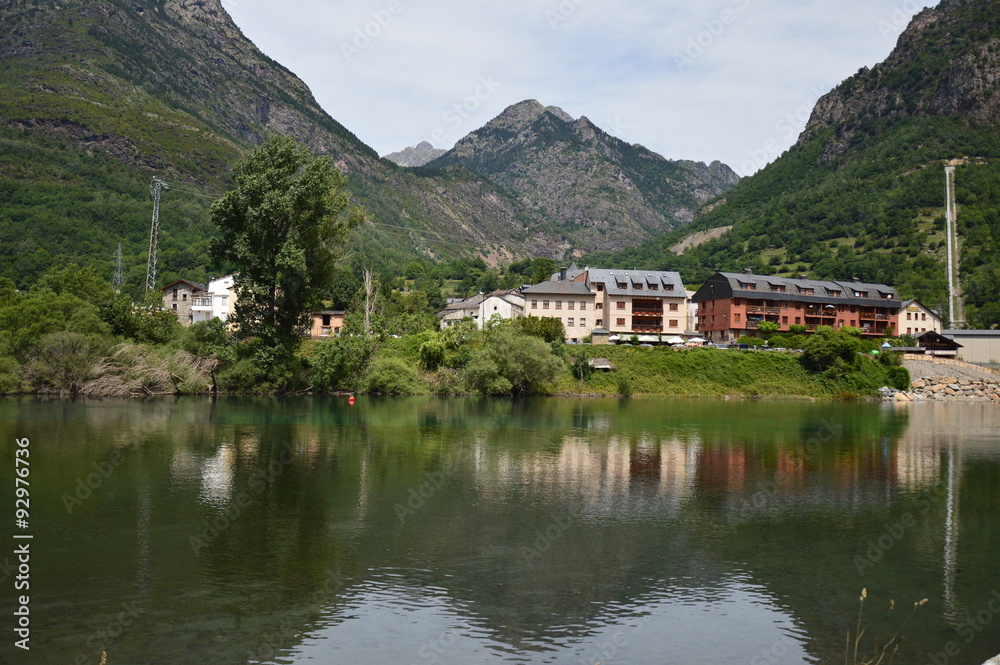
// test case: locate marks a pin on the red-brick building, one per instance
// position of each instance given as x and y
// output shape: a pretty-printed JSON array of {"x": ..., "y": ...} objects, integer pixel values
[{"x": 731, "y": 305}]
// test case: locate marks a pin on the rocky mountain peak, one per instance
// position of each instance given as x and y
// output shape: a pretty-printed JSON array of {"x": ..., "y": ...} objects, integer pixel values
[
  {"x": 416, "y": 156},
  {"x": 946, "y": 63}
]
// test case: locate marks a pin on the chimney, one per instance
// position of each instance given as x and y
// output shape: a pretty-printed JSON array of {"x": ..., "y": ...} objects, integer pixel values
[
  {"x": 748, "y": 271},
  {"x": 802, "y": 275},
  {"x": 856, "y": 279},
  {"x": 562, "y": 274}
]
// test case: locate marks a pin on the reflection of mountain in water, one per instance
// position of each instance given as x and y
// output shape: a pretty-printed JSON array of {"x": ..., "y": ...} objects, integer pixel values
[{"x": 528, "y": 527}]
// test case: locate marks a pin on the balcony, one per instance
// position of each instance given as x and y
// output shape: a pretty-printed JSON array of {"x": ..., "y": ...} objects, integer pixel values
[
  {"x": 646, "y": 329},
  {"x": 647, "y": 312},
  {"x": 201, "y": 304},
  {"x": 754, "y": 309},
  {"x": 772, "y": 310}
]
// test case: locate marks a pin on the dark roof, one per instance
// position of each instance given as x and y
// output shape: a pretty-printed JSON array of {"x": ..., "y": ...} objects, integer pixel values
[
  {"x": 611, "y": 278},
  {"x": 195, "y": 285},
  {"x": 551, "y": 288},
  {"x": 748, "y": 285},
  {"x": 932, "y": 340},
  {"x": 971, "y": 333}
]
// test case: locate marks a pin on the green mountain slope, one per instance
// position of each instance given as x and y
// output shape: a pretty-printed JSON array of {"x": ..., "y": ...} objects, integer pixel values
[
  {"x": 862, "y": 192},
  {"x": 96, "y": 97}
]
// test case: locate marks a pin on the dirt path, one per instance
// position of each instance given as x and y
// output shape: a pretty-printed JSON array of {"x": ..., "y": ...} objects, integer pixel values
[{"x": 928, "y": 369}]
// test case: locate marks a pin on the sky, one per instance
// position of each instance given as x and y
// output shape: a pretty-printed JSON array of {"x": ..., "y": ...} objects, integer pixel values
[{"x": 728, "y": 80}]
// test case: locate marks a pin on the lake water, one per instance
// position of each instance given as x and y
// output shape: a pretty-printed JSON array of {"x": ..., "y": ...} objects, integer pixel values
[{"x": 430, "y": 531}]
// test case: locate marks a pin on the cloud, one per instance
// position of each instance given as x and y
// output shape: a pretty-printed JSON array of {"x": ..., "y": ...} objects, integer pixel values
[{"x": 707, "y": 80}]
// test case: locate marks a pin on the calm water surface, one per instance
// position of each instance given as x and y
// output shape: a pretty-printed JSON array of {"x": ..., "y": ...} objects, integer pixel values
[{"x": 436, "y": 531}]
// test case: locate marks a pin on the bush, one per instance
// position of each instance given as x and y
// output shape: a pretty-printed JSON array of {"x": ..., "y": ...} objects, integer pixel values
[
  {"x": 899, "y": 377},
  {"x": 432, "y": 355},
  {"x": 752, "y": 341},
  {"x": 393, "y": 376},
  {"x": 826, "y": 347},
  {"x": 544, "y": 328},
  {"x": 624, "y": 387},
  {"x": 512, "y": 363},
  {"x": 341, "y": 363},
  {"x": 62, "y": 361}
]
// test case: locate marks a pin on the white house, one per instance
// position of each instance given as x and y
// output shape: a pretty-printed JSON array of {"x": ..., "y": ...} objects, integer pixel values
[
  {"x": 507, "y": 304},
  {"x": 215, "y": 302}
]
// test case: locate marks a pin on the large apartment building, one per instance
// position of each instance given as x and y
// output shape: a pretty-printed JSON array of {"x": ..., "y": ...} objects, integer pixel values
[
  {"x": 731, "y": 305},
  {"x": 623, "y": 302}
]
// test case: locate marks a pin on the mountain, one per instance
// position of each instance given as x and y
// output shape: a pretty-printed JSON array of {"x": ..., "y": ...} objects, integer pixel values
[
  {"x": 98, "y": 96},
  {"x": 416, "y": 156},
  {"x": 862, "y": 191},
  {"x": 599, "y": 190}
]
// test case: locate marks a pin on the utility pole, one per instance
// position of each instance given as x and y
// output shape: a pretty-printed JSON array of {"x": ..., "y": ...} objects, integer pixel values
[
  {"x": 119, "y": 278},
  {"x": 956, "y": 307},
  {"x": 156, "y": 186}
]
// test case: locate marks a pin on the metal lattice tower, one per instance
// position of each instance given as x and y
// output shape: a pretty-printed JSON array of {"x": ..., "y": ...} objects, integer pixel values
[
  {"x": 119, "y": 278},
  {"x": 156, "y": 186}
]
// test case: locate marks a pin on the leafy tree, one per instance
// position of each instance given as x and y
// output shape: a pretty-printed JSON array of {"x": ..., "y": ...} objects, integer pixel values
[
  {"x": 544, "y": 328},
  {"x": 281, "y": 230},
  {"x": 768, "y": 328}
]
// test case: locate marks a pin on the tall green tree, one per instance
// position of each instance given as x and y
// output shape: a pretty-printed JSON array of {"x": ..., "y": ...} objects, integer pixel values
[{"x": 281, "y": 230}]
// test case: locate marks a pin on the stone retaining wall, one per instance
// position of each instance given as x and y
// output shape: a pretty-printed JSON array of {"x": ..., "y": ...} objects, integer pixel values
[{"x": 938, "y": 360}]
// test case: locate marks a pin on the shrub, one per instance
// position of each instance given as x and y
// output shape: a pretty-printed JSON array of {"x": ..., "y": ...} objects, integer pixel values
[
  {"x": 825, "y": 347},
  {"x": 899, "y": 377},
  {"x": 341, "y": 363},
  {"x": 752, "y": 341},
  {"x": 431, "y": 355},
  {"x": 624, "y": 387},
  {"x": 544, "y": 328},
  {"x": 393, "y": 376}
]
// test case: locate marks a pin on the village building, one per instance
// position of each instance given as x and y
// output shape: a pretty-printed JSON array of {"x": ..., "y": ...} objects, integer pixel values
[
  {"x": 978, "y": 346},
  {"x": 505, "y": 303},
  {"x": 621, "y": 302},
  {"x": 915, "y": 319},
  {"x": 327, "y": 323},
  {"x": 192, "y": 302},
  {"x": 731, "y": 305}
]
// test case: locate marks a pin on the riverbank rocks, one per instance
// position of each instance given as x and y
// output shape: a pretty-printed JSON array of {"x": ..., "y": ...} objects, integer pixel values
[{"x": 950, "y": 388}]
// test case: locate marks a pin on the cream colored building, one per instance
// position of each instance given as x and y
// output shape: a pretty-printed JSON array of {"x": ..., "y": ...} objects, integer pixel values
[{"x": 915, "y": 319}]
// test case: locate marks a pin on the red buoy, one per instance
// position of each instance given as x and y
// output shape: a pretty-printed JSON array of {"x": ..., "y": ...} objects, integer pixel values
[{"x": 350, "y": 400}]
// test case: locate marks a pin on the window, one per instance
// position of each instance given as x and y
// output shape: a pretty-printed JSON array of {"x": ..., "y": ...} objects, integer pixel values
[
  {"x": 534, "y": 304},
  {"x": 736, "y": 317},
  {"x": 571, "y": 304},
  {"x": 673, "y": 323},
  {"x": 569, "y": 322},
  {"x": 620, "y": 304},
  {"x": 798, "y": 320},
  {"x": 673, "y": 307},
  {"x": 669, "y": 287},
  {"x": 620, "y": 322},
  {"x": 600, "y": 287},
  {"x": 599, "y": 322},
  {"x": 860, "y": 294},
  {"x": 909, "y": 317},
  {"x": 599, "y": 305},
  {"x": 559, "y": 304},
  {"x": 545, "y": 304},
  {"x": 326, "y": 319},
  {"x": 654, "y": 287},
  {"x": 175, "y": 294},
  {"x": 834, "y": 294},
  {"x": 637, "y": 287},
  {"x": 778, "y": 288},
  {"x": 923, "y": 317},
  {"x": 583, "y": 304},
  {"x": 784, "y": 320},
  {"x": 175, "y": 306},
  {"x": 184, "y": 297},
  {"x": 583, "y": 323},
  {"x": 909, "y": 330}
]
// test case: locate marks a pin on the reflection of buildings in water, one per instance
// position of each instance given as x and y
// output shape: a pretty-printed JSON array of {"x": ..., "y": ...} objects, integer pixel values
[
  {"x": 604, "y": 475},
  {"x": 217, "y": 477}
]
